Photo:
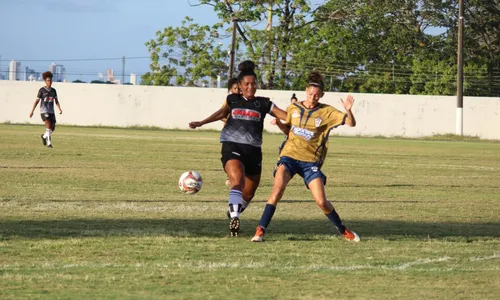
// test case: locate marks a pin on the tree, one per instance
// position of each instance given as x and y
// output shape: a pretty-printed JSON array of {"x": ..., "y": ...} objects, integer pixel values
[
  {"x": 374, "y": 46},
  {"x": 188, "y": 53},
  {"x": 270, "y": 47}
]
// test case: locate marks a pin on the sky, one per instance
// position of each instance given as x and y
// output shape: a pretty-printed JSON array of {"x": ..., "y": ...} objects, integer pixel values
[
  {"x": 54, "y": 30},
  {"x": 40, "y": 32}
]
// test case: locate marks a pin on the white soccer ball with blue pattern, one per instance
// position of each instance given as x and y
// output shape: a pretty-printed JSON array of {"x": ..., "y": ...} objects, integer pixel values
[{"x": 190, "y": 182}]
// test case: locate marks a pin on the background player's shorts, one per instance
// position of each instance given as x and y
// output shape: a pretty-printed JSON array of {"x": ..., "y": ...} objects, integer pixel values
[
  {"x": 249, "y": 156},
  {"x": 50, "y": 117},
  {"x": 307, "y": 170}
]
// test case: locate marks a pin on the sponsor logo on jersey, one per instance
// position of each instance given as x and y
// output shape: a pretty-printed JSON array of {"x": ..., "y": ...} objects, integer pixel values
[
  {"x": 245, "y": 114},
  {"x": 48, "y": 99},
  {"x": 318, "y": 121},
  {"x": 307, "y": 134},
  {"x": 295, "y": 114}
]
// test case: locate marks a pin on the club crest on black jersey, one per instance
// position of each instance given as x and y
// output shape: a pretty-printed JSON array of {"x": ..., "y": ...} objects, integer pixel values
[{"x": 246, "y": 119}]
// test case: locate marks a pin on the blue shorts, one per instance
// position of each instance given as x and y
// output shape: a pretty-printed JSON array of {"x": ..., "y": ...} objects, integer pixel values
[{"x": 307, "y": 170}]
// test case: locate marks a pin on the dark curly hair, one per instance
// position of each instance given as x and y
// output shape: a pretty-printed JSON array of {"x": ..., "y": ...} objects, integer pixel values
[
  {"x": 246, "y": 68},
  {"x": 231, "y": 82},
  {"x": 315, "y": 79},
  {"x": 47, "y": 74}
]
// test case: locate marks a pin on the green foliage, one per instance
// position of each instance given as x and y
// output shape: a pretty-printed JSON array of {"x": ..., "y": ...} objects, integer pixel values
[
  {"x": 101, "y": 82},
  {"x": 187, "y": 54},
  {"x": 374, "y": 46}
]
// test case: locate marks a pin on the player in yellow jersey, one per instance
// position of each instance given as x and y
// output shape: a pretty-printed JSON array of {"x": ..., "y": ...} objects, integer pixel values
[{"x": 310, "y": 123}]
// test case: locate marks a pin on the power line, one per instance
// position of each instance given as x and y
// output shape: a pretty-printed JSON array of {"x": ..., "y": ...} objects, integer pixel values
[{"x": 79, "y": 59}]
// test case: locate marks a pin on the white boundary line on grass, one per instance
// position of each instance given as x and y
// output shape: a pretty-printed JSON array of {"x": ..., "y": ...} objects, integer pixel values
[
  {"x": 255, "y": 265},
  {"x": 475, "y": 258}
]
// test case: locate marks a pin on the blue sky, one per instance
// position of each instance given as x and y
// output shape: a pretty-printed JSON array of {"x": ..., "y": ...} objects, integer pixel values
[{"x": 54, "y": 30}]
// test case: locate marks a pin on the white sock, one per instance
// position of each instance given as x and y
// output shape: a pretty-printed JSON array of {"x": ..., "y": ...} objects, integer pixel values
[
  {"x": 48, "y": 136},
  {"x": 235, "y": 203}
]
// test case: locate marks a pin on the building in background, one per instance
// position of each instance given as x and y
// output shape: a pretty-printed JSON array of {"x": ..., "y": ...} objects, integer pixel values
[
  {"x": 110, "y": 75},
  {"x": 58, "y": 71},
  {"x": 133, "y": 78},
  {"x": 15, "y": 70},
  {"x": 30, "y": 75}
]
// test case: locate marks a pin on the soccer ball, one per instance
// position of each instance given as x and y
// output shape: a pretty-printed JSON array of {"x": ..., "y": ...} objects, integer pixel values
[{"x": 190, "y": 182}]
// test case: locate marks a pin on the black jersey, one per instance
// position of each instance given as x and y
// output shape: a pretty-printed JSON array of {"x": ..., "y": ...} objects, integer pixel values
[
  {"x": 246, "y": 120},
  {"x": 47, "y": 98}
]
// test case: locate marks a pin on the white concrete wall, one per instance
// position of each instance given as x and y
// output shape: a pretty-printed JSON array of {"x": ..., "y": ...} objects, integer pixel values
[{"x": 175, "y": 107}]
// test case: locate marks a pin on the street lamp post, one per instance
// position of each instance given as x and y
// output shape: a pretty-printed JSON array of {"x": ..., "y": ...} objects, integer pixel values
[{"x": 460, "y": 71}]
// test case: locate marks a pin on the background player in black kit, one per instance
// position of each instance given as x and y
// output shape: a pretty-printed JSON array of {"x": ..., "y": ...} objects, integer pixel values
[
  {"x": 241, "y": 140},
  {"x": 47, "y": 96}
]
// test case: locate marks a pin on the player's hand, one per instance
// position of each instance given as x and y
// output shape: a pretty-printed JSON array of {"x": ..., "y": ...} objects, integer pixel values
[
  {"x": 194, "y": 124},
  {"x": 273, "y": 122},
  {"x": 31, "y": 115},
  {"x": 349, "y": 101},
  {"x": 60, "y": 112}
]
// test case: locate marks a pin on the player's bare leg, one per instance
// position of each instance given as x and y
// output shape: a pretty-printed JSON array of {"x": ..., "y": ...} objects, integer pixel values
[
  {"x": 281, "y": 179},
  {"x": 251, "y": 184},
  {"x": 318, "y": 191}
]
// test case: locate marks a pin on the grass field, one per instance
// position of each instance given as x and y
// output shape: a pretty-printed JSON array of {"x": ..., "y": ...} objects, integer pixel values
[{"x": 100, "y": 216}]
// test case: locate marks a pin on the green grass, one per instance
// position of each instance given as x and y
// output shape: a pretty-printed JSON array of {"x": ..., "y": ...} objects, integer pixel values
[{"x": 100, "y": 216}]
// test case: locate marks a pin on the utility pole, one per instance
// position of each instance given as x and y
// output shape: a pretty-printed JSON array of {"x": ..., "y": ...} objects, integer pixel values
[
  {"x": 269, "y": 45},
  {"x": 233, "y": 46},
  {"x": 460, "y": 71},
  {"x": 123, "y": 69}
]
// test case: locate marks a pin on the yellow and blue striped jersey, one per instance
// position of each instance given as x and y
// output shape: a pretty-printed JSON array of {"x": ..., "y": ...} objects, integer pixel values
[{"x": 309, "y": 130}]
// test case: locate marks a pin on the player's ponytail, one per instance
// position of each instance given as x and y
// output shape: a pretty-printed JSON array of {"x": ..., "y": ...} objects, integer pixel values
[
  {"x": 246, "y": 68},
  {"x": 315, "y": 79}
]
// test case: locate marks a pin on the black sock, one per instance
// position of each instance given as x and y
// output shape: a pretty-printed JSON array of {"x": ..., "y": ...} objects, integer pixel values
[
  {"x": 335, "y": 219},
  {"x": 267, "y": 215}
]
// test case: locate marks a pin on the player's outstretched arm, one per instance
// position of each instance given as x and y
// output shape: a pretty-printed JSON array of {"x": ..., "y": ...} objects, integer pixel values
[
  {"x": 34, "y": 107},
  {"x": 278, "y": 113},
  {"x": 216, "y": 116},
  {"x": 350, "y": 120},
  {"x": 282, "y": 126}
]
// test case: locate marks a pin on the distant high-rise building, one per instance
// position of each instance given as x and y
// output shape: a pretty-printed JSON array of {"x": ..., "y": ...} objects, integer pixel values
[
  {"x": 133, "y": 78},
  {"x": 15, "y": 70},
  {"x": 30, "y": 74},
  {"x": 58, "y": 71},
  {"x": 110, "y": 75}
]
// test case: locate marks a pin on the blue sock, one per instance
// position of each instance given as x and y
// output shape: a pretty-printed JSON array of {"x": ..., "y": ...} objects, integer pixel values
[
  {"x": 335, "y": 219},
  {"x": 267, "y": 215}
]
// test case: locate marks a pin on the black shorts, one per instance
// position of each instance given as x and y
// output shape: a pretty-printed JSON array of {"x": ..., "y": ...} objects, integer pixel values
[
  {"x": 50, "y": 117},
  {"x": 249, "y": 156}
]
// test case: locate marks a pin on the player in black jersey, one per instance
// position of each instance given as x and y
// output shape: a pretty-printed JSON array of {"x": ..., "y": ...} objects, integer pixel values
[
  {"x": 47, "y": 96},
  {"x": 241, "y": 140}
]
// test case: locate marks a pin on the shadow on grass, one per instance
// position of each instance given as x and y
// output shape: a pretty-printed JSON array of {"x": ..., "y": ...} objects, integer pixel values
[
  {"x": 224, "y": 201},
  {"x": 81, "y": 228}
]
